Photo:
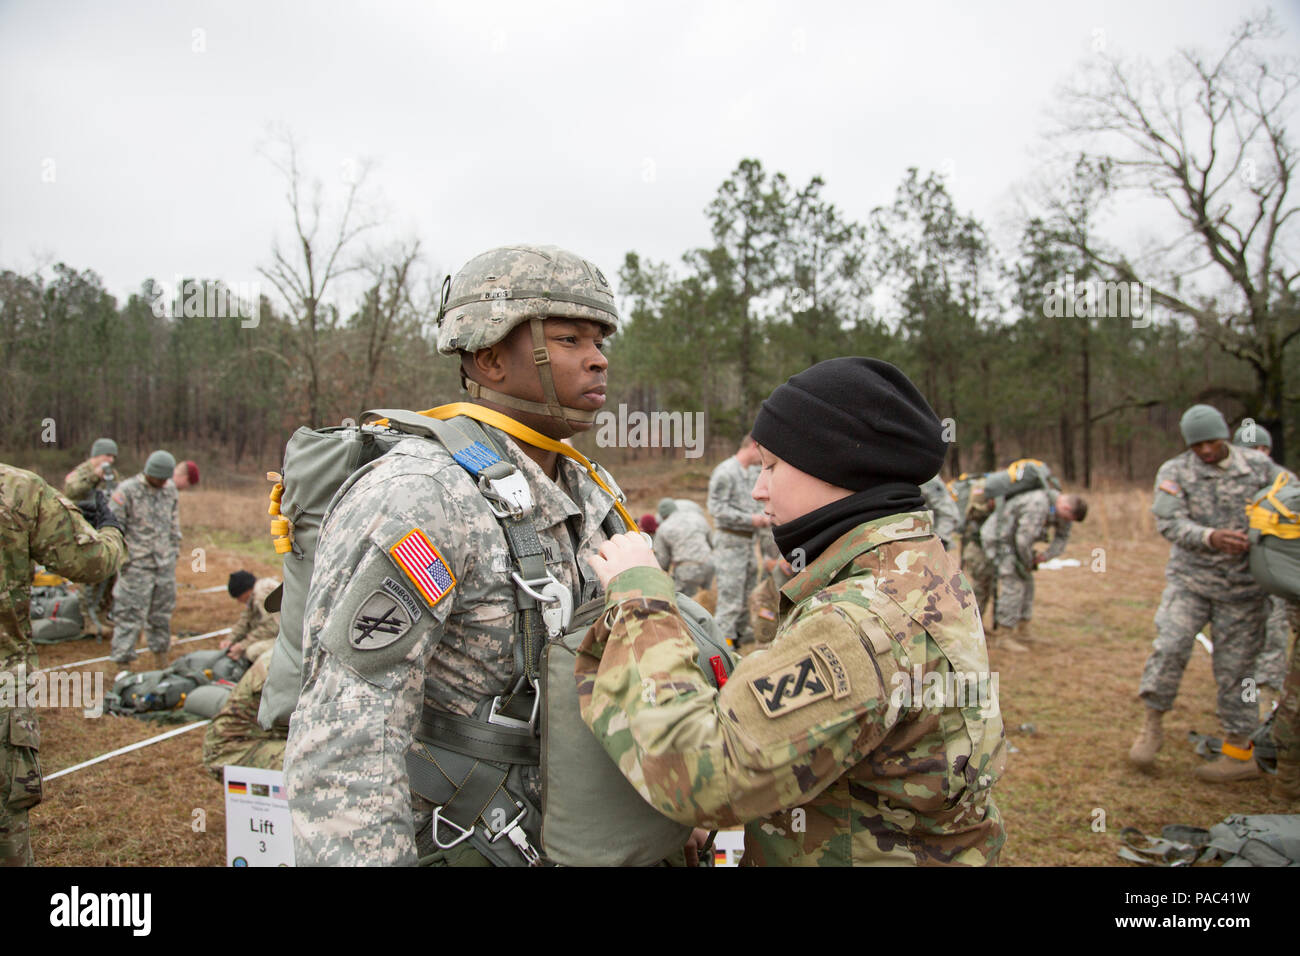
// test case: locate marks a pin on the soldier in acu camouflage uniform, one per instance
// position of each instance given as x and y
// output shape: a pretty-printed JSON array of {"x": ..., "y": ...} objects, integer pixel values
[
  {"x": 1020, "y": 522},
  {"x": 1271, "y": 665},
  {"x": 529, "y": 325},
  {"x": 946, "y": 518},
  {"x": 817, "y": 744},
  {"x": 735, "y": 519},
  {"x": 681, "y": 544},
  {"x": 1200, "y": 506},
  {"x": 255, "y": 622},
  {"x": 37, "y": 526},
  {"x": 235, "y": 737},
  {"x": 975, "y": 563},
  {"x": 149, "y": 510}
]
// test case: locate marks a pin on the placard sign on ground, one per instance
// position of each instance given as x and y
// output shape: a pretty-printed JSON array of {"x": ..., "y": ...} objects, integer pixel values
[
  {"x": 257, "y": 818},
  {"x": 728, "y": 847}
]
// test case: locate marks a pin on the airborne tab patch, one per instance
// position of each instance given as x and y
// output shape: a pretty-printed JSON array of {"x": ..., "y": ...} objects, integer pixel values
[
  {"x": 790, "y": 688},
  {"x": 416, "y": 555},
  {"x": 839, "y": 676}
]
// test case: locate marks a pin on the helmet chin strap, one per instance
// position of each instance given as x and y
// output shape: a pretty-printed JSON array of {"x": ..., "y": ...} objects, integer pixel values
[{"x": 565, "y": 415}]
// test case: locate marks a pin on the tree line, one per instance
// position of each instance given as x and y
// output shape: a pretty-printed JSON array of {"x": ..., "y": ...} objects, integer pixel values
[{"x": 1070, "y": 344}]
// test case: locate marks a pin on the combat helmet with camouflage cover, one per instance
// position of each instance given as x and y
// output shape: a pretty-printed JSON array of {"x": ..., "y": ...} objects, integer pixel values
[{"x": 503, "y": 288}]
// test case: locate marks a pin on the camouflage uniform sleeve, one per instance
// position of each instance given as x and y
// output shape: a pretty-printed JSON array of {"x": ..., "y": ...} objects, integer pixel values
[
  {"x": 66, "y": 543},
  {"x": 722, "y": 493},
  {"x": 363, "y": 688},
  {"x": 946, "y": 518},
  {"x": 1173, "y": 519},
  {"x": 662, "y": 554},
  {"x": 176, "y": 524},
  {"x": 1060, "y": 538},
  {"x": 239, "y": 630},
  {"x": 713, "y": 758},
  {"x": 1032, "y": 519},
  {"x": 81, "y": 482}
]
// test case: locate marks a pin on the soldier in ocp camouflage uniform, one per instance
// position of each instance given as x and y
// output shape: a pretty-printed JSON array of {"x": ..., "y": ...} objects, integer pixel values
[
  {"x": 235, "y": 737},
  {"x": 1200, "y": 506},
  {"x": 818, "y": 744},
  {"x": 149, "y": 510},
  {"x": 255, "y": 622},
  {"x": 455, "y": 646},
  {"x": 735, "y": 520},
  {"x": 681, "y": 544},
  {"x": 37, "y": 526}
]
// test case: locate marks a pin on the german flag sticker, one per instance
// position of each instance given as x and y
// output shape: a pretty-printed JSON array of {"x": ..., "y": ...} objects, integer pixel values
[{"x": 416, "y": 555}]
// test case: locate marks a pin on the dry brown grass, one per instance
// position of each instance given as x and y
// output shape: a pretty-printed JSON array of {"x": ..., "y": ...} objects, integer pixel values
[{"x": 1078, "y": 687}]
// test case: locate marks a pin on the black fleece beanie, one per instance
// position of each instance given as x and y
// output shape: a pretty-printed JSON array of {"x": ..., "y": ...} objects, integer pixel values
[
  {"x": 854, "y": 422},
  {"x": 240, "y": 582}
]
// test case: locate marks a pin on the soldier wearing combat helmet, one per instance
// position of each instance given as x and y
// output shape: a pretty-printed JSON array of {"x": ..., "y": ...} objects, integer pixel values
[{"x": 528, "y": 324}]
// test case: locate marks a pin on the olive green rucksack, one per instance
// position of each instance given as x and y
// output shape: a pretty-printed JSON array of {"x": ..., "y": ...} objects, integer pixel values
[
  {"x": 55, "y": 614},
  {"x": 1275, "y": 538},
  {"x": 1026, "y": 474}
]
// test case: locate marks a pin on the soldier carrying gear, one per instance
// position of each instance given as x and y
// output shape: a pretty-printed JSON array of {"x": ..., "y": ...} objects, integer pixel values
[
  {"x": 498, "y": 291},
  {"x": 1200, "y": 506}
]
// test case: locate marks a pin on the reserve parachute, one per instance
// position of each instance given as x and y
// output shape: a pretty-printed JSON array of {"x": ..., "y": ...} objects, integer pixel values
[{"x": 1274, "y": 516}]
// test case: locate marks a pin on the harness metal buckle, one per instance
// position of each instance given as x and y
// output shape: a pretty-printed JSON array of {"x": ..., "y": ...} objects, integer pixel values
[
  {"x": 438, "y": 819},
  {"x": 511, "y": 491},
  {"x": 509, "y": 826}
]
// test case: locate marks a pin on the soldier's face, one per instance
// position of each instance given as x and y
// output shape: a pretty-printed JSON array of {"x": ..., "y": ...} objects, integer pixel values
[
  {"x": 181, "y": 477},
  {"x": 788, "y": 493},
  {"x": 1211, "y": 452},
  {"x": 155, "y": 482},
  {"x": 578, "y": 366}
]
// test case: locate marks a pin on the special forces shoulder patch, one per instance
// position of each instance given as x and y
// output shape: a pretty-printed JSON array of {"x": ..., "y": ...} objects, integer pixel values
[
  {"x": 380, "y": 621},
  {"x": 423, "y": 564},
  {"x": 796, "y": 685}
]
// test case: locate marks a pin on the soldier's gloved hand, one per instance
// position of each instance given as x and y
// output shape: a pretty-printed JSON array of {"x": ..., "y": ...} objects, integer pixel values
[{"x": 98, "y": 513}]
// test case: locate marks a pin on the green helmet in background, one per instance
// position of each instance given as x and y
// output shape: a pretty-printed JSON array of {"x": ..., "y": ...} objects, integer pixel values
[{"x": 501, "y": 289}]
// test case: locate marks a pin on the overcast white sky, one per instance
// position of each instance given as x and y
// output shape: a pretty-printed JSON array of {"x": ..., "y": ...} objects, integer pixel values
[{"x": 602, "y": 127}]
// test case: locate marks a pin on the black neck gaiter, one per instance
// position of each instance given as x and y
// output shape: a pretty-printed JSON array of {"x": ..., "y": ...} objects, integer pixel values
[{"x": 814, "y": 532}]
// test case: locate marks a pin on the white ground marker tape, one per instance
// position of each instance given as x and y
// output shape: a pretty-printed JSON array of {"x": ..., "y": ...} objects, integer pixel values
[
  {"x": 142, "y": 647},
  {"x": 127, "y": 749}
]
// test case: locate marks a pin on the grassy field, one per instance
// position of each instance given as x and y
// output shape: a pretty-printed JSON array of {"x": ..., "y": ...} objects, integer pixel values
[{"x": 1077, "y": 688}]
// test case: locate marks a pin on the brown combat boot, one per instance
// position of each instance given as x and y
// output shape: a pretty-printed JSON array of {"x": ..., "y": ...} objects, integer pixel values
[
  {"x": 1237, "y": 762},
  {"x": 1143, "y": 752},
  {"x": 1004, "y": 639},
  {"x": 160, "y": 660},
  {"x": 1025, "y": 632},
  {"x": 1286, "y": 785}
]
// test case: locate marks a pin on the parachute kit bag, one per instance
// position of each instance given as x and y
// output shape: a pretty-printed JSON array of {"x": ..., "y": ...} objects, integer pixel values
[
  {"x": 1275, "y": 538},
  {"x": 150, "y": 691},
  {"x": 207, "y": 701},
  {"x": 55, "y": 613}
]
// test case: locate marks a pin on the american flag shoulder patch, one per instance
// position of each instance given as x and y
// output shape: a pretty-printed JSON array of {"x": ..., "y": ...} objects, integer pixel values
[
  {"x": 424, "y": 565},
  {"x": 1170, "y": 487}
]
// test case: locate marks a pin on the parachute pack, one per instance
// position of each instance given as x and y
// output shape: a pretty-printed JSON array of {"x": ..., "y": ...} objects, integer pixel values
[
  {"x": 55, "y": 610},
  {"x": 171, "y": 688},
  {"x": 472, "y": 768},
  {"x": 1026, "y": 474},
  {"x": 1274, "y": 516}
]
